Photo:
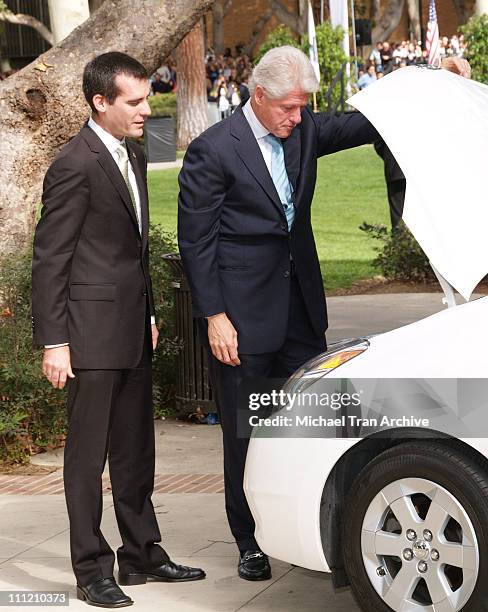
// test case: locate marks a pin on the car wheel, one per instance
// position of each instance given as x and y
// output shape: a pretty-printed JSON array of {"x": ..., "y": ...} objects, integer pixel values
[{"x": 416, "y": 531}]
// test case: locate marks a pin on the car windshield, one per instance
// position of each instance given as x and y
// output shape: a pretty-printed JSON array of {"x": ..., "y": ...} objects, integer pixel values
[{"x": 436, "y": 125}]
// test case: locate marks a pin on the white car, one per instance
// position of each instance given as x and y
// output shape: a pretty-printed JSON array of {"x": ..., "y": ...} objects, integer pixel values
[{"x": 399, "y": 512}]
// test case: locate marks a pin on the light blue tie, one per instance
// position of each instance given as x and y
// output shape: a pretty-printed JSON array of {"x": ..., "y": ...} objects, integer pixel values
[{"x": 280, "y": 177}]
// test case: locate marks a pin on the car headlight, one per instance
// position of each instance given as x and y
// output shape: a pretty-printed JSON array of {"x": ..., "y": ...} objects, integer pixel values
[{"x": 338, "y": 354}]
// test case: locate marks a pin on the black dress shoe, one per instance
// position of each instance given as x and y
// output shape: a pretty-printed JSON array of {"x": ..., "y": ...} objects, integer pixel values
[
  {"x": 104, "y": 593},
  {"x": 254, "y": 565},
  {"x": 166, "y": 572}
]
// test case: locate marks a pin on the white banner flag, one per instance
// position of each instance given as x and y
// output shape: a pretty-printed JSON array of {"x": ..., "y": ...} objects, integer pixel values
[
  {"x": 339, "y": 16},
  {"x": 312, "y": 43}
]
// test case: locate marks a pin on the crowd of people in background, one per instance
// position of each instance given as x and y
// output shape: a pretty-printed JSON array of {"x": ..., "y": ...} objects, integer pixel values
[
  {"x": 387, "y": 56},
  {"x": 226, "y": 77}
]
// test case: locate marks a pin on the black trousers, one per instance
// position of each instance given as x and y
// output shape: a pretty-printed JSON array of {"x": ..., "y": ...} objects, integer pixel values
[
  {"x": 110, "y": 413},
  {"x": 301, "y": 345},
  {"x": 396, "y": 200}
]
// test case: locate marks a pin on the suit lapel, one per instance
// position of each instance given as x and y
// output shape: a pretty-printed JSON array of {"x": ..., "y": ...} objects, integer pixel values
[
  {"x": 111, "y": 169},
  {"x": 248, "y": 150},
  {"x": 141, "y": 187}
]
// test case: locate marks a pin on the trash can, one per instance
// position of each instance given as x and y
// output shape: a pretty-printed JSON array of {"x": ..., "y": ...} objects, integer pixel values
[
  {"x": 160, "y": 139},
  {"x": 193, "y": 393}
]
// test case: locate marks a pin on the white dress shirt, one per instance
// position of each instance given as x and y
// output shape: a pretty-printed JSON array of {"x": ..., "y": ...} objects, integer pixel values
[
  {"x": 259, "y": 132},
  {"x": 112, "y": 143}
]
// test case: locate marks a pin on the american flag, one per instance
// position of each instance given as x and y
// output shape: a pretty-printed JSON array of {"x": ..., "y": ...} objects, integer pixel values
[{"x": 432, "y": 38}]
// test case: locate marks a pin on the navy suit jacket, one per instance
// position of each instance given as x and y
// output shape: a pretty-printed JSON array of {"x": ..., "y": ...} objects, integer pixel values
[{"x": 232, "y": 230}]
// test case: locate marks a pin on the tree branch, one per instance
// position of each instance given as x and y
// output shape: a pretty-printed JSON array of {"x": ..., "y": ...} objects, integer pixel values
[
  {"x": 376, "y": 10},
  {"x": 285, "y": 16},
  {"x": 389, "y": 21},
  {"x": 260, "y": 24},
  {"x": 28, "y": 20}
]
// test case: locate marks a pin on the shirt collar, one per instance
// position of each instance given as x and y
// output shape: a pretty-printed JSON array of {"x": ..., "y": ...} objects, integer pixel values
[
  {"x": 108, "y": 140},
  {"x": 257, "y": 127}
]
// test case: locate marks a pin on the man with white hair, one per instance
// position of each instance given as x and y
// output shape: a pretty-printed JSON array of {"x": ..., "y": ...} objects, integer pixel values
[{"x": 248, "y": 249}]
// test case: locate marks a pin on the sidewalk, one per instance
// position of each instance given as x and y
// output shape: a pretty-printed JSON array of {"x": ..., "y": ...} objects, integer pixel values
[
  {"x": 34, "y": 538},
  {"x": 165, "y": 165}
]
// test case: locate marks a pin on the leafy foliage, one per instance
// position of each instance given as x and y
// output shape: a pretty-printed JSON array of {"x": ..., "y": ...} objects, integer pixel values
[
  {"x": 163, "y": 105},
  {"x": 476, "y": 34},
  {"x": 399, "y": 254},
  {"x": 164, "y": 363},
  {"x": 32, "y": 412},
  {"x": 278, "y": 37},
  {"x": 331, "y": 58},
  {"x": 329, "y": 47}
]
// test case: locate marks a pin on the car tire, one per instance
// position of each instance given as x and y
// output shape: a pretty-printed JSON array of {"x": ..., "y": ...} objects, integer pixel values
[{"x": 416, "y": 530}]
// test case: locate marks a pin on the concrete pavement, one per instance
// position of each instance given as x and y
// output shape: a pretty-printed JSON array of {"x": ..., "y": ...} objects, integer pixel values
[{"x": 34, "y": 537}]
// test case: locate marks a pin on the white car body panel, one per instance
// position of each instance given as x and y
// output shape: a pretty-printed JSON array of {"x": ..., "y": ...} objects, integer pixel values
[
  {"x": 404, "y": 352},
  {"x": 285, "y": 477},
  {"x": 448, "y": 113},
  {"x": 284, "y": 480}
]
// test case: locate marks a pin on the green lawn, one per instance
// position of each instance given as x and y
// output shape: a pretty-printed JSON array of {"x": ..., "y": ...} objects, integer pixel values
[{"x": 350, "y": 189}]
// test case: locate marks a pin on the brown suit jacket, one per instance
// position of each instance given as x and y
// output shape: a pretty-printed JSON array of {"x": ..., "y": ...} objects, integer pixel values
[{"x": 90, "y": 272}]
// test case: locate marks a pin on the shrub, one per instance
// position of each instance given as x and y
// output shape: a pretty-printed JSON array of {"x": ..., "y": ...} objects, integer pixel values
[
  {"x": 163, "y": 105},
  {"x": 278, "y": 37},
  {"x": 331, "y": 58},
  {"x": 32, "y": 412},
  {"x": 164, "y": 364},
  {"x": 399, "y": 254},
  {"x": 476, "y": 34}
]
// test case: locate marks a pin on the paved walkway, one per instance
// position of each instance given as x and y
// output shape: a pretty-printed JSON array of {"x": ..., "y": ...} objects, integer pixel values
[
  {"x": 165, "y": 165},
  {"x": 34, "y": 538}
]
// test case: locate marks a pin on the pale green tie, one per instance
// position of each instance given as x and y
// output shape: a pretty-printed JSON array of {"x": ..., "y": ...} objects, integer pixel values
[{"x": 123, "y": 164}]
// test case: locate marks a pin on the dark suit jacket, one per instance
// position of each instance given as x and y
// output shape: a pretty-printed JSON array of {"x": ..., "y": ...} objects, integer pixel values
[
  {"x": 90, "y": 273},
  {"x": 232, "y": 230},
  {"x": 393, "y": 172}
]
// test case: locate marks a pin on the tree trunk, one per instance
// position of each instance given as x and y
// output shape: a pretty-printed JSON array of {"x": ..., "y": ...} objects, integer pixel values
[
  {"x": 460, "y": 6},
  {"x": 218, "y": 27},
  {"x": 376, "y": 11},
  {"x": 414, "y": 19},
  {"x": 42, "y": 106},
  {"x": 220, "y": 10},
  {"x": 191, "y": 92},
  {"x": 66, "y": 16},
  {"x": 389, "y": 20}
]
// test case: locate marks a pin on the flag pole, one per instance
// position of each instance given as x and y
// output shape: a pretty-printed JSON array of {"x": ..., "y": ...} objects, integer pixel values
[{"x": 313, "y": 51}]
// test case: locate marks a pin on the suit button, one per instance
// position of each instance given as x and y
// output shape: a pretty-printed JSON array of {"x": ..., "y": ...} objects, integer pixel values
[
  {"x": 144, "y": 292},
  {"x": 284, "y": 227},
  {"x": 286, "y": 273}
]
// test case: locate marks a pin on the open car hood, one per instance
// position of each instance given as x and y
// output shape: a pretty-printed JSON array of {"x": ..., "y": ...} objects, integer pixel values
[{"x": 436, "y": 125}]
